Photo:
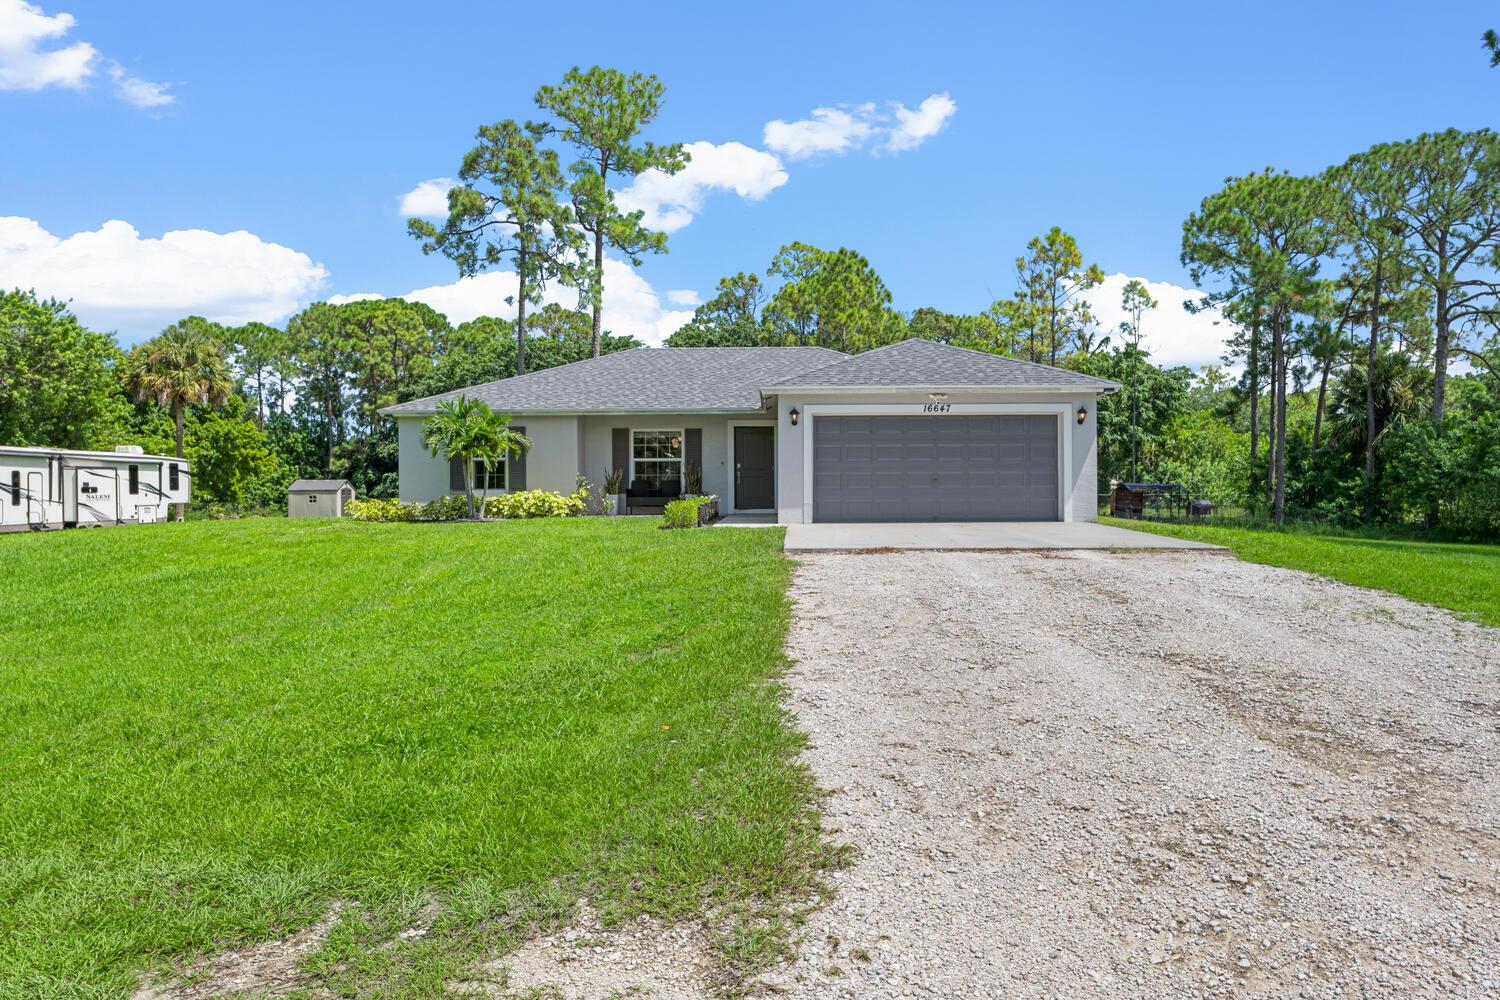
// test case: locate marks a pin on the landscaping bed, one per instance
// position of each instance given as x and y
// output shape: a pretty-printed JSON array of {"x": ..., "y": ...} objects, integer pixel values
[{"x": 433, "y": 738}]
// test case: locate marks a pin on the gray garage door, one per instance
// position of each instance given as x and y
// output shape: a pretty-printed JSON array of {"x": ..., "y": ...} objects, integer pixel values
[{"x": 935, "y": 468}]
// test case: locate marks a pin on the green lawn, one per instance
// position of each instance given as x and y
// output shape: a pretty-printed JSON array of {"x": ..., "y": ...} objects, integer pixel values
[
  {"x": 1462, "y": 578},
  {"x": 214, "y": 730}
]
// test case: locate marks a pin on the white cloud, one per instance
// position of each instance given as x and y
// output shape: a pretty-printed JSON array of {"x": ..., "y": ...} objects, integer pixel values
[
  {"x": 25, "y": 64},
  {"x": 118, "y": 280},
  {"x": 138, "y": 92},
  {"x": 32, "y": 59},
  {"x": 892, "y": 129},
  {"x": 683, "y": 297},
  {"x": 429, "y": 199},
  {"x": 339, "y": 300},
  {"x": 671, "y": 200},
  {"x": 828, "y": 130},
  {"x": 915, "y": 126},
  {"x": 631, "y": 305},
  {"x": 1171, "y": 334}
]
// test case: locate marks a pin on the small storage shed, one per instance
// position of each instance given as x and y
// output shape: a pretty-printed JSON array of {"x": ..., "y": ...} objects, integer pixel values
[{"x": 318, "y": 497}]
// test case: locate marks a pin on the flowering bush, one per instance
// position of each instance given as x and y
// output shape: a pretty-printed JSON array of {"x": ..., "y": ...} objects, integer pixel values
[
  {"x": 384, "y": 510},
  {"x": 526, "y": 503},
  {"x": 534, "y": 503}
]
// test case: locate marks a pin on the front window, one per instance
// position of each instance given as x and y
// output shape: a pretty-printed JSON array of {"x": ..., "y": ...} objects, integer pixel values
[
  {"x": 657, "y": 457},
  {"x": 492, "y": 478}
]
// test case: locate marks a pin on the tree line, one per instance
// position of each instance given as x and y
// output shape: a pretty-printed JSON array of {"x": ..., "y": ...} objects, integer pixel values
[
  {"x": 836, "y": 299},
  {"x": 1382, "y": 267},
  {"x": 517, "y": 207},
  {"x": 254, "y": 407},
  {"x": 1348, "y": 296}
]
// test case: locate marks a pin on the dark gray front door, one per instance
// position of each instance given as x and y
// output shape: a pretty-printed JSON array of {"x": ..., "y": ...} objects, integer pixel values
[
  {"x": 754, "y": 468},
  {"x": 943, "y": 468}
]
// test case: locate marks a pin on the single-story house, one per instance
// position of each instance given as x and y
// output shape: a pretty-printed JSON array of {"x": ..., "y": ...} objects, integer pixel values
[{"x": 915, "y": 431}]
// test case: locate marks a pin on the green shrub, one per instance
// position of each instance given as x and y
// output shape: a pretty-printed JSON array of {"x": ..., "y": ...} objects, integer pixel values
[
  {"x": 454, "y": 507},
  {"x": 384, "y": 510},
  {"x": 683, "y": 513},
  {"x": 534, "y": 503}
]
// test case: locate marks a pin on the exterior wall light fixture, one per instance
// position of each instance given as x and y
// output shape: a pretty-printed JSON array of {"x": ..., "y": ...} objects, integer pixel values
[
  {"x": 1083, "y": 414},
  {"x": 794, "y": 416}
]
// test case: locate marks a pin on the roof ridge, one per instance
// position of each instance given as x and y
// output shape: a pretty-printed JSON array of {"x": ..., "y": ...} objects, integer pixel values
[
  {"x": 866, "y": 368},
  {"x": 847, "y": 358},
  {"x": 454, "y": 393},
  {"x": 1004, "y": 357},
  {"x": 735, "y": 347}
]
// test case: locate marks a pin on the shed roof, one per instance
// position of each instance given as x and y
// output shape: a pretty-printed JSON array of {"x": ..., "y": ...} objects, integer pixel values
[
  {"x": 318, "y": 485},
  {"x": 646, "y": 379},
  {"x": 918, "y": 363}
]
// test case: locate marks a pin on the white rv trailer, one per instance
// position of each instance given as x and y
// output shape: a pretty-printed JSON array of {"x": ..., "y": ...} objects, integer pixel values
[{"x": 56, "y": 488}]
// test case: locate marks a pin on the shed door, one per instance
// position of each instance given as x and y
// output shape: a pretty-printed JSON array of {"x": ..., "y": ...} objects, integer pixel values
[{"x": 935, "y": 468}]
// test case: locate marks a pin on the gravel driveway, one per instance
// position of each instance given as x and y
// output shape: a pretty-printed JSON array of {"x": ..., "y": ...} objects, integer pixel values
[{"x": 1145, "y": 775}]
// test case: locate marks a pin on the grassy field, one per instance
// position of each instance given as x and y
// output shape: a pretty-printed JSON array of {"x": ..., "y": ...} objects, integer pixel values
[
  {"x": 213, "y": 731},
  {"x": 1462, "y": 578}
]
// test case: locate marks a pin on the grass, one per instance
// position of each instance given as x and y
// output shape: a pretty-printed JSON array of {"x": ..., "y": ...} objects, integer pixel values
[
  {"x": 215, "y": 730},
  {"x": 1461, "y": 578}
]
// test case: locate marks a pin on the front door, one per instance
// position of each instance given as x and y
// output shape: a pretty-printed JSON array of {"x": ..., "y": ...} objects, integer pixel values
[{"x": 754, "y": 468}]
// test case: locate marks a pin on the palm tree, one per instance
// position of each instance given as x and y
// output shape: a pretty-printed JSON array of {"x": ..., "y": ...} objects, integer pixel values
[
  {"x": 495, "y": 442},
  {"x": 183, "y": 365},
  {"x": 1400, "y": 387},
  {"x": 1328, "y": 344},
  {"x": 469, "y": 431}
]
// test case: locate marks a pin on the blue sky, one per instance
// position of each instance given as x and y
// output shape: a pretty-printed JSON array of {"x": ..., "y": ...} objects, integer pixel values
[{"x": 246, "y": 129}]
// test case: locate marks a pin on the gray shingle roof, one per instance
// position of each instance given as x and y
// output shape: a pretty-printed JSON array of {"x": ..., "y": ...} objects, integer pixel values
[
  {"x": 317, "y": 485},
  {"x": 929, "y": 363},
  {"x": 654, "y": 379}
]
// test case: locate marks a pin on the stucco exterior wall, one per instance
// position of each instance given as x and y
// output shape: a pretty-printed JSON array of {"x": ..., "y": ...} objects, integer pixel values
[
  {"x": 598, "y": 455},
  {"x": 552, "y": 463},
  {"x": 422, "y": 476},
  {"x": 1079, "y": 486}
]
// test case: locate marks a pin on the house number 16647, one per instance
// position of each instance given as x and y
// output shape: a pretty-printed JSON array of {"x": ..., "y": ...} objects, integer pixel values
[{"x": 936, "y": 407}]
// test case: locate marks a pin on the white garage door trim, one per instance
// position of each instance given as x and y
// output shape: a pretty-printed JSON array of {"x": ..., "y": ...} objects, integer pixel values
[{"x": 1062, "y": 411}]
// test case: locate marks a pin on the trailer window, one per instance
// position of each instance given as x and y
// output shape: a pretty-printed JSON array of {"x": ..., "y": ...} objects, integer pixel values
[
  {"x": 135, "y": 479},
  {"x": 15, "y": 487},
  {"x": 172, "y": 481}
]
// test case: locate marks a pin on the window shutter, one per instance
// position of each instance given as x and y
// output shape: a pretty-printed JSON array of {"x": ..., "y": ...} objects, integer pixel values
[
  {"x": 692, "y": 446},
  {"x": 455, "y": 475},
  {"x": 515, "y": 471},
  {"x": 620, "y": 452}
]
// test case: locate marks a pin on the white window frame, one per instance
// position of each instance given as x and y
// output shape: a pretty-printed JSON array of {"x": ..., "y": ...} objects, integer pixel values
[
  {"x": 681, "y": 459},
  {"x": 1063, "y": 411},
  {"x": 502, "y": 467}
]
